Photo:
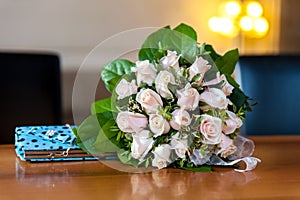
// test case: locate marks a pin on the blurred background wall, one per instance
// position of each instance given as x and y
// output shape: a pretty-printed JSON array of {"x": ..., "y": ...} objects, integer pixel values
[{"x": 72, "y": 28}]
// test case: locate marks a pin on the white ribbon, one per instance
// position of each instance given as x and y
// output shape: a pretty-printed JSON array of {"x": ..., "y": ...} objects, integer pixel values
[
  {"x": 250, "y": 162},
  {"x": 245, "y": 148}
]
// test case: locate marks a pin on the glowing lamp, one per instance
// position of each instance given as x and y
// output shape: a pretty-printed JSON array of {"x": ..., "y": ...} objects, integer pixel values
[
  {"x": 237, "y": 16},
  {"x": 246, "y": 23},
  {"x": 254, "y": 9},
  {"x": 261, "y": 26},
  {"x": 213, "y": 24},
  {"x": 233, "y": 8}
]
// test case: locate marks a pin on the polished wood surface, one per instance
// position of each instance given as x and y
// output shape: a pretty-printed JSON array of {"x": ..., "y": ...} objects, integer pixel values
[{"x": 277, "y": 177}]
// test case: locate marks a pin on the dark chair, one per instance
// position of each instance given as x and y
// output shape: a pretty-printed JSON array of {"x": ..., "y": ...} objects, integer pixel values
[
  {"x": 273, "y": 81},
  {"x": 30, "y": 92}
]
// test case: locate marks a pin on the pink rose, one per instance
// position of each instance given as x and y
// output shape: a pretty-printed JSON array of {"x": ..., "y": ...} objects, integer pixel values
[
  {"x": 130, "y": 122},
  {"x": 171, "y": 60},
  {"x": 145, "y": 72},
  {"x": 215, "y": 98},
  {"x": 188, "y": 98},
  {"x": 180, "y": 118},
  {"x": 158, "y": 125},
  {"x": 227, "y": 88},
  {"x": 149, "y": 100},
  {"x": 161, "y": 83},
  {"x": 211, "y": 129},
  {"x": 232, "y": 123},
  {"x": 141, "y": 144},
  {"x": 226, "y": 146},
  {"x": 200, "y": 66},
  {"x": 125, "y": 88}
]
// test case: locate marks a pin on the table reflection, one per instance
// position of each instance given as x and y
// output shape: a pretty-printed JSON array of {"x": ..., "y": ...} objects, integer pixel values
[
  {"x": 181, "y": 185},
  {"x": 41, "y": 174},
  {"x": 277, "y": 177},
  {"x": 159, "y": 184}
]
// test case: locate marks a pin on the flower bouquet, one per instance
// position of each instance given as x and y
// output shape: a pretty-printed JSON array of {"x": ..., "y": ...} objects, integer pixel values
[{"x": 177, "y": 106}]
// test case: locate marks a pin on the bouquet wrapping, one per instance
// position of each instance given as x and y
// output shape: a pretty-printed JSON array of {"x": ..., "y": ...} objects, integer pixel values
[{"x": 177, "y": 106}]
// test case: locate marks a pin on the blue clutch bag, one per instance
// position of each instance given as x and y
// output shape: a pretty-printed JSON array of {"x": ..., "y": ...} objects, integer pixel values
[{"x": 48, "y": 143}]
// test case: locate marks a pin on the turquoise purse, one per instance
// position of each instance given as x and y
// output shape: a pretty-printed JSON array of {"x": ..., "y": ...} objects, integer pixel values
[{"x": 48, "y": 143}]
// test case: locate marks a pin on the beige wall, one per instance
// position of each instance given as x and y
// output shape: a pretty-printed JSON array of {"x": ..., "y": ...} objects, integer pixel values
[
  {"x": 73, "y": 28},
  {"x": 290, "y": 27}
]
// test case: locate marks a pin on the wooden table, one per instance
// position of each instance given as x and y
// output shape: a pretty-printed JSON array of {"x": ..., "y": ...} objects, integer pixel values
[{"x": 277, "y": 177}]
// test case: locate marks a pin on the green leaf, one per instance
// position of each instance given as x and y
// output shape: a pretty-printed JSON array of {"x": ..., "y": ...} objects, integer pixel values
[
  {"x": 187, "y": 30},
  {"x": 182, "y": 40},
  {"x": 107, "y": 140},
  {"x": 238, "y": 98},
  {"x": 112, "y": 84},
  {"x": 213, "y": 54},
  {"x": 188, "y": 37},
  {"x": 232, "y": 81},
  {"x": 153, "y": 43},
  {"x": 196, "y": 78},
  {"x": 101, "y": 106},
  {"x": 113, "y": 71},
  {"x": 198, "y": 169},
  {"x": 78, "y": 140},
  {"x": 95, "y": 135},
  {"x": 87, "y": 132},
  {"x": 226, "y": 63},
  {"x": 126, "y": 158}
]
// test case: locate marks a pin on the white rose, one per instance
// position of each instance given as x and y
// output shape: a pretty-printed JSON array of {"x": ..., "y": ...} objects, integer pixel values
[
  {"x": 149, "y": 100},
  {"x": 188, "y": 98},
  {"x": 180, "y": 118},
  {"x": 161, "y": 83},
  {"x": 200, "y": 66},
  {"x": 215, "y": 98},
  {"x": 180, "y": 145},
  {"x": 141, "y": 144},
  {"x": 232, "y": 123},
  {"x": 131, "y": 122},
  {"x": 211, "y": 128},
  {"x": 145, "y": 72},
  {"x": 161, "y": 156},
  {"x": 158, "y": 125},
  {"x": 227, "y": 88},
  {"x": 125, "y": 89},
  {"x": 171, "y": 60}
]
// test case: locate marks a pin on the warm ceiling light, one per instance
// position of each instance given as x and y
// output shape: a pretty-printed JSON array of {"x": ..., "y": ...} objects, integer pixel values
[
  {"x": 254, "y": 9},
  {"x": 246, "y": 23},
  {"x": 237, "y": 16},
  {"x": 261, "y": 26},
  {"x": 223, "y": 25},
  {"x": 233, "y": 8},
  {"x": 213, "y": 24},
  {"x": 226, "y": 25}
]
